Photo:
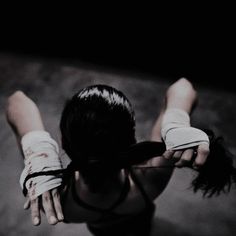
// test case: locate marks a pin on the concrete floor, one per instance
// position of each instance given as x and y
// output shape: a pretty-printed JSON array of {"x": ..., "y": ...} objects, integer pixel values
[{"x": 49, "y": 82}]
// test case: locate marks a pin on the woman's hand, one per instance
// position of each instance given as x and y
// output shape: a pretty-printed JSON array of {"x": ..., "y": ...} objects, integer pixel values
[
  {"x": 195, "y": 156},
  {"x": 50, "y": 203}
]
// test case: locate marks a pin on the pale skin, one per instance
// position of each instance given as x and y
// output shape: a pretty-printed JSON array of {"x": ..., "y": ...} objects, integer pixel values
[{"x": 23, "y": 116}]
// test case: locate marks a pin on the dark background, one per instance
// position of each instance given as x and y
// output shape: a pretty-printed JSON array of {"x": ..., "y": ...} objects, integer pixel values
[{"x": 195, "y": 41}]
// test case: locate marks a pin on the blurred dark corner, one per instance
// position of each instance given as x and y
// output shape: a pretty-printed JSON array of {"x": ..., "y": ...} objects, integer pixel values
[{"x": 199, "y": 45}]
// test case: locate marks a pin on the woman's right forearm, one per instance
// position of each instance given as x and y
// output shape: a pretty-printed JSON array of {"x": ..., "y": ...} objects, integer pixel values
[
  {"x": 181, "y": 95},
  {"x": 23, "y": 114}
]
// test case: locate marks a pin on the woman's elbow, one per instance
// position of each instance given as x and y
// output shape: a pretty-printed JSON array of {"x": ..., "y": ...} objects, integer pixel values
[
  {"x": 14, "y": 102},
  {"x": 182, "y": 87}
]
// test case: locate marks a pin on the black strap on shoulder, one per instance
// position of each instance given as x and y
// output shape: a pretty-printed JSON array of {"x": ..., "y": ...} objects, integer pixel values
[
  {"x": 121, "y": 198},
  {"x": 134, "y": 177}
]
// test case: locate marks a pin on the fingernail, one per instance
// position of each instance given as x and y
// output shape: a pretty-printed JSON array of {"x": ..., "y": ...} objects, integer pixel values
[
  {"x": 60, "y": 216},
  {"x": 36, "y": 221},
  {"x": 53, "y": 220}
]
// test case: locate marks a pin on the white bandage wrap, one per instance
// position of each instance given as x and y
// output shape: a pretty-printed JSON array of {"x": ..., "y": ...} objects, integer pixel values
[
  {"x": 41, "y": 155},
  {"x": 177, "y": 133}
]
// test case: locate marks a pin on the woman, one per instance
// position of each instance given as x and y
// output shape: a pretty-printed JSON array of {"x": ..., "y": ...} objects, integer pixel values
[{"x": 112, "y": 180}]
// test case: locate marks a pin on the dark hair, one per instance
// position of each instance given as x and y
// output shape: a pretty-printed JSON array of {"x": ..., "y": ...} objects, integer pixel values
[
  {"x": 97, "y": 123},
  {"x": 218, "y": 173}
]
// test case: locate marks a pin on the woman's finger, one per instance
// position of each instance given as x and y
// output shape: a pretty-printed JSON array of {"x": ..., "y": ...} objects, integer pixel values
[
  {"x": 185, "y": 158},
  {"x": 57, "y": 204},
  {"x": 35, "y": 215},
  {"x": 177, "y": 154},
  {"x": 168, "y": 154},
  {"x": 49, "y": 208},
  {"x": 27, "y": 204},
  {"x": 202, "y": 154}
]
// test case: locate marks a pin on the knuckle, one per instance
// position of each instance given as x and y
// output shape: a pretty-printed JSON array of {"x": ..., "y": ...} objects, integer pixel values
[
  {"x": 186, "y": 159},
  {"x": 33, "y": 202},
  {"x": 177, "y": 155},
  {"x": 57, "y": 204},
  {"x": 55, "y": 194},
  {"x": 50, "y": 214},
  {"x": 187, "y": 156},
  {"x": 34, "y": 212},
  {"x": 199, "y": 162},
  {"x": 203, "y": 150},
  {"x": 48, "y": 211},
  {"x": 168, "y": 154},
  {"x": 46, "y": 197}
]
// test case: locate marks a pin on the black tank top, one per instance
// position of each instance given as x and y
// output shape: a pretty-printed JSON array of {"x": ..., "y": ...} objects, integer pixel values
[{"x": 109, "y": 216}]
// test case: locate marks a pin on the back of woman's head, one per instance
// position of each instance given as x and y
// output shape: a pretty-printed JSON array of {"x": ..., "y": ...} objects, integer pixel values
[{"x": 96, "y": 124}]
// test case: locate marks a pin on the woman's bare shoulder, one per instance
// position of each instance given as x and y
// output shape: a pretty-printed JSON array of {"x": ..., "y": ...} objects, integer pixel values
[{"x": 154, "y": 175}]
